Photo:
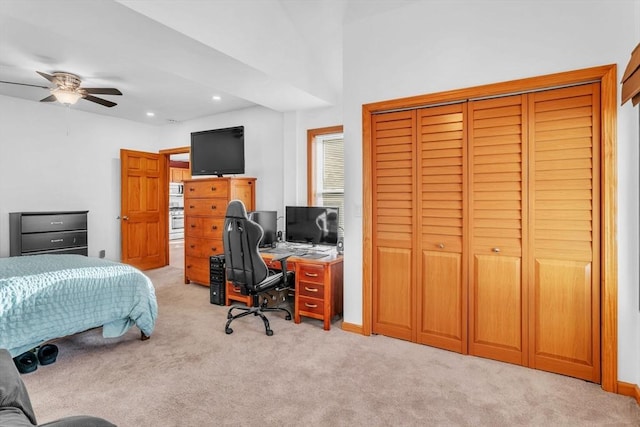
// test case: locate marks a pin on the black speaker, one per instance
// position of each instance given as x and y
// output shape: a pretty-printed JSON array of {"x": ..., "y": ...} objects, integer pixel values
[
  {"x": 217, "y": 280},
  {"x": 340, "y": 245}
]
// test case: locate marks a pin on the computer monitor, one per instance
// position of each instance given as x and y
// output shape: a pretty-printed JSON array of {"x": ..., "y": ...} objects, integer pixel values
[
  {"x": 314, "y": 225},
  {"x": 268, "y": 220}
]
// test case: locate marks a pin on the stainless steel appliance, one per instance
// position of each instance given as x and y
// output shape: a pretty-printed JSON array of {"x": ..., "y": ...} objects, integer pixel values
[{"x": 176, "y": 223}]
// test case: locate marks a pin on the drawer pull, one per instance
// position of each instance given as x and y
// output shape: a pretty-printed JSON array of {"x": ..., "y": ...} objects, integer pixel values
[
  {"x": 215, "y": 227},
  {"x": 213, "y": 188},
  {"x": 215, "y": 248},
  {"x": 192, "y": 189},
  {"x": 441, "y": 245},
  {"x": 311, "y": 274},
  {"x": 57, "y": 240},
  {"x": 57, "y": 222},
  {"x": 306, "y": 288},
  {"x": 192, "y": 246},
  {"x": 496, "y": 250},
  {"x": 306, "y": 304},
  {"x": 213, "y": 207},
  {"x": 191, "y": 207},
  {"x": 192, "y": 225}
]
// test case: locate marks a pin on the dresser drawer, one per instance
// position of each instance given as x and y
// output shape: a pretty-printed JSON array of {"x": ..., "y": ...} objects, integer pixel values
[
  {"x": 201, "y": 247},
  {"x": 204, "y": 227},
  {"x": 197, "y": 270},
  {"x": 206, "y": 189},
  {"x": 56, "y": 240},
  {"x": 310, "y": 273},
  {"x": 207, "y": 207},
  {"x": 53, "y": 222},
  {"x": 311, "y": 305}
]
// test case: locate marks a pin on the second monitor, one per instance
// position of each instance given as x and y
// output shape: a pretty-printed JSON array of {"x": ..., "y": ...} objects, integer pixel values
[{"x": 268, "y": 220}]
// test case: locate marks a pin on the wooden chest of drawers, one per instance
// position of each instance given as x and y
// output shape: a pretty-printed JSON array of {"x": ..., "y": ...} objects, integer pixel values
[{"x": 205, "y": 204}]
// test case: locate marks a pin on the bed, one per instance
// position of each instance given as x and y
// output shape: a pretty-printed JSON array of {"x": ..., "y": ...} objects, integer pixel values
[{"x": 43, "y": 297}]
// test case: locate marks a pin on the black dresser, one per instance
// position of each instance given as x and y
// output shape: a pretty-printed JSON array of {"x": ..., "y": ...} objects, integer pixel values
[{"x": 48, "y": 232}]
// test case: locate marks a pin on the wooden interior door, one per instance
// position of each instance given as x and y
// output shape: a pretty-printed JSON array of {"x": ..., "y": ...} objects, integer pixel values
[
  {"x": 143, "y": 221},
  {"x": 393, "y": 166},
  {"x": 442, "y": 272},
  {"x": 497, "y": 210},
  {"x": 564, "y": 222}
]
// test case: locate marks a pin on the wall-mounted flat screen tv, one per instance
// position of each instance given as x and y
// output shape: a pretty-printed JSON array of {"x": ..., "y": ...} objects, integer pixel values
[{"x": 218, "y": 151}]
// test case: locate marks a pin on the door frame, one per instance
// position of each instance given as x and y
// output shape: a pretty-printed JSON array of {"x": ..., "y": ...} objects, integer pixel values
[
  {"x": 607, "y": 76},
  {"x": 166, "y": 157}
]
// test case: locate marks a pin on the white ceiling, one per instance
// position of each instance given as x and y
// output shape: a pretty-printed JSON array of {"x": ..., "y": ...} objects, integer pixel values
[{"x": 170, "y": 57}]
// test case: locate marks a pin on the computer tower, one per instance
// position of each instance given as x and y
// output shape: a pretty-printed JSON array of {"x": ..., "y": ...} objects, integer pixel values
[{"x": 217, "y": 282}]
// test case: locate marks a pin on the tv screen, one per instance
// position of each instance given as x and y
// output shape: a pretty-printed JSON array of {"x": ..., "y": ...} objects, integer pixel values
[
  {"x": 268, "y": 220},
  {"x": 218, "y": 151},
  {"x": 311, "y": 224}
]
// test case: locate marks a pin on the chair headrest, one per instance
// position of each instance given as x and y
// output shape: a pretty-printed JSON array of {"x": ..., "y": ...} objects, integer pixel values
[{"x": 236, "y": 209}]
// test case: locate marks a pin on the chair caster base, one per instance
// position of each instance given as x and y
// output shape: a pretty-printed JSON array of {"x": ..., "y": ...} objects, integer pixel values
[
  {"x": 228, "y": 331},
  {"x": 287, "y": 317},
  {"x": 269, "y": 332}
]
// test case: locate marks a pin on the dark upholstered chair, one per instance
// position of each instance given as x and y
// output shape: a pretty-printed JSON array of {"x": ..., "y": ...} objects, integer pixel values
[
  {"x": 246, "y": 269},
  {"x": 15, "y": 405}
]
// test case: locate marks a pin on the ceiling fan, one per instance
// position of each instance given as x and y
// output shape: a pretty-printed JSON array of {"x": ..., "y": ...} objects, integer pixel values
[{"x": 67, "y": 89}]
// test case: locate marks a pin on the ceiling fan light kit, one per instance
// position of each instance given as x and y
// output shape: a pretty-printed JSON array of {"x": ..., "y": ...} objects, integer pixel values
[
  {"x": 68, "y": 91},
  {"x": 66, "y": 96}
]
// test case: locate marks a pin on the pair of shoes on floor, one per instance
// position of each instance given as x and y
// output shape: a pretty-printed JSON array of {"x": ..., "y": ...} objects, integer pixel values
[{"x": 28, "y": 361}]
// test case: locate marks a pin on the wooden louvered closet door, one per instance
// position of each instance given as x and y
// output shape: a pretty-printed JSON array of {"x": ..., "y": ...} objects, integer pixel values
[
  {"x": 393, "y": 169},
  {"x": 497, "y": 242},
  {"x": 486, "y": 228},
  {"x": 441, "y": 275},
  {"x": 564, "y": 273}
]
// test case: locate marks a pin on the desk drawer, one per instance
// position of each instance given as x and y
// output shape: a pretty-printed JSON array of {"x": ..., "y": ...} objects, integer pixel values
[
  {"x": 310, "y": 273},
  {"x": 277, "y": 265},
  {"x": 313, "y": 290},
  {"x": 206, "y": 207},
  {"x": 311, "y": 305},
  {"x": 201, "y": 247},
  {"x": 207, "y": 189}
]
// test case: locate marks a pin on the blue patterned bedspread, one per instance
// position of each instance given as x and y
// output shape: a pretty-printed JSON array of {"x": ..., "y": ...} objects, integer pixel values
[{"x": 43, "y": 297}]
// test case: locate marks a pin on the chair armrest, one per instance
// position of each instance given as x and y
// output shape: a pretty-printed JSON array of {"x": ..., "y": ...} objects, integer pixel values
[{"x": 283, "y": 263}]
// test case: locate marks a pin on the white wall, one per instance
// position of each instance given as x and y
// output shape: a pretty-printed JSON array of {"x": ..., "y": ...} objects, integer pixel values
[
  {"x": 54, "y": 158},
  {"x": 432, "y": 46},
  {"x": 264, "y": 147}
]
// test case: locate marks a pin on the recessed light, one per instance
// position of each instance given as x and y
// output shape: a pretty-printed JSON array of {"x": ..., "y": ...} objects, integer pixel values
[
  {"x": 217, "y": 97},
  {"x": 150, "y": 114}
]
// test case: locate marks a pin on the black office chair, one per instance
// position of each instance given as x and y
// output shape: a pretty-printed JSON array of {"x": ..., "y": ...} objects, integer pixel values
[{"x": 246, "y": 269}]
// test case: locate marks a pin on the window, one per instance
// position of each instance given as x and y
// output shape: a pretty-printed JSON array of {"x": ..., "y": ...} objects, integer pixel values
[{"x": 325, "y": 169}]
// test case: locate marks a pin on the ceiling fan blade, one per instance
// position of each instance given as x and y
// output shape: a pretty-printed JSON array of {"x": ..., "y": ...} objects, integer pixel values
[
  {"x": 24, "y": 84},
  {"x": 102, "y": 90},
  {"x": 49, "y": 98},
  {"x": 46, "y": 76},
  {"x": 100, "y": 101}
]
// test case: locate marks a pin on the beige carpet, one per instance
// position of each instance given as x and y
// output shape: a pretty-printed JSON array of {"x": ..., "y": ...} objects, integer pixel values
[{"x": 190, "y": 373}]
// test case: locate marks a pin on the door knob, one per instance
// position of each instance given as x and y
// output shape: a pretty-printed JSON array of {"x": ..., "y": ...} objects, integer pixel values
[{"x": 126, "y": 218}]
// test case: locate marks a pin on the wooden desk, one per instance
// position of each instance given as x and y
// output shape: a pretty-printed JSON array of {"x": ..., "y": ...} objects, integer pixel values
[{"x": 318, "y": 286}]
